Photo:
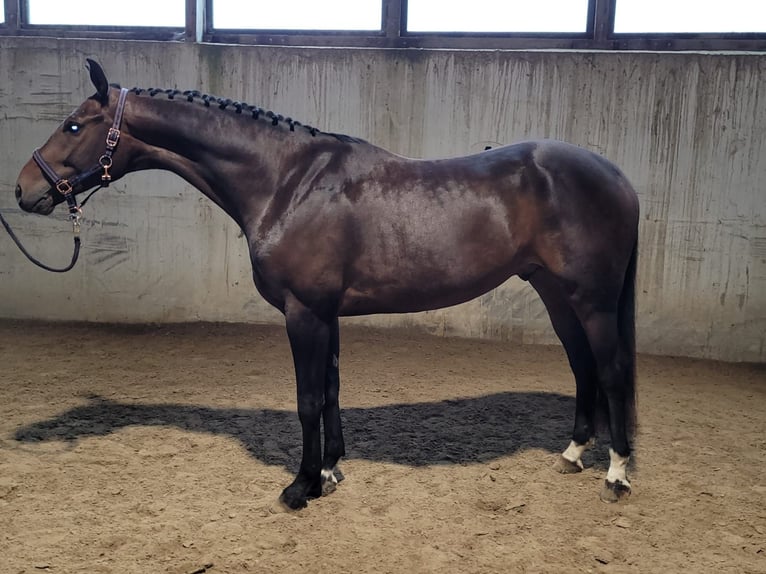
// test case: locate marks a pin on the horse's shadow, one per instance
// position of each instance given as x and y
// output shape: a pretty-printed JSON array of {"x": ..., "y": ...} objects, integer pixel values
[{"x": 453, "y": 431}]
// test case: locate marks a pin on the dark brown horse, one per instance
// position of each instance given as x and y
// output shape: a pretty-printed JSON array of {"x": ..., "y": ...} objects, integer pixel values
[{"x": 338, "y": 227}]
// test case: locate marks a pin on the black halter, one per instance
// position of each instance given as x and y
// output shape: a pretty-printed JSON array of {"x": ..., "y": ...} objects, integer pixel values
[{"x": 68, "y": 187}]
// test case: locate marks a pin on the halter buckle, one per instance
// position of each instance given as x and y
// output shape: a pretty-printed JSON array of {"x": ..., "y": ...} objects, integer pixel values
[
  {"x": 64, "y": 187},
  {"x": 112, "y": 138}
]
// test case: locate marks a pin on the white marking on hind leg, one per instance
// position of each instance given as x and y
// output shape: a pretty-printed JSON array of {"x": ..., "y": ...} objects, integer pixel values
[
  {"x": 329, "y": 482},
  {"x": 574, "y": 452},
  {"x": 617, "y": 469}
]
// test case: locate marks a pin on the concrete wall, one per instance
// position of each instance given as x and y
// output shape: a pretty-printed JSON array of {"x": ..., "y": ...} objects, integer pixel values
[{"x": 688, "y": 129}]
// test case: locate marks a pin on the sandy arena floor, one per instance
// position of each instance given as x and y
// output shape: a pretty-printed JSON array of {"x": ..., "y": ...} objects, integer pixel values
[{"x": 162, "y": 449}]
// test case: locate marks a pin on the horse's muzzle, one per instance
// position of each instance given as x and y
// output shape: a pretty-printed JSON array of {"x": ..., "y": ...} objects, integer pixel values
[{"x": 43, "y": 204}]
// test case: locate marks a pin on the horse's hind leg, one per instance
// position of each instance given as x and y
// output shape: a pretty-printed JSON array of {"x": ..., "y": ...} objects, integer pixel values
[
  {"x": 614, "y": 364},
  {"x": 572, "y": 335},
  {"x": 334, "y": 447}
]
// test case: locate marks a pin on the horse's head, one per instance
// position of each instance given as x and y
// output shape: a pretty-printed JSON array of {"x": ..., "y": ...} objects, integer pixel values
[{"x": 73, "y": 159}]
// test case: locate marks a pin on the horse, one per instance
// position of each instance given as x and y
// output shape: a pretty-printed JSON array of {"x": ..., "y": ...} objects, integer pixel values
[{"x": 339, "y": 227}]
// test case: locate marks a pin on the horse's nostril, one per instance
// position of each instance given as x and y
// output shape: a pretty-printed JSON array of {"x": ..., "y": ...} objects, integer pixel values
[{"x": 18, "y": 193}]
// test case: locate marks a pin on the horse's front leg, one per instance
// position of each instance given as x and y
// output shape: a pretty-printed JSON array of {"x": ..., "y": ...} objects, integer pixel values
[{"x": 309, "y": 340}]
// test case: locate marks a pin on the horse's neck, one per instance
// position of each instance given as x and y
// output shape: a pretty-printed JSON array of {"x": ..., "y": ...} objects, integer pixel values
[{"x": 216, "y": 151}]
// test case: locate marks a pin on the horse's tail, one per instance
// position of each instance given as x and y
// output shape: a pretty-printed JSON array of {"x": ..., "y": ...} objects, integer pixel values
[
  {"x": 626, "y": 326},
  {"x": 626, "y": 318}
]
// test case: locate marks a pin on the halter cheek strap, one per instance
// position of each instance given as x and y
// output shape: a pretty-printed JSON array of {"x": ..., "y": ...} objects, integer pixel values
[
  {"x": 66, "y": 187},
  {"x": 112, "y": 139}
]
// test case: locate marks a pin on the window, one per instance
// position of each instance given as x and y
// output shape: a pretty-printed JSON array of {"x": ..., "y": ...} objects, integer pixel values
[
  {"x": 96, "y": 13},
  {"x": 690, "y": 16},
  {"x": 493, "y": 16},
  {"x": 660, "y": 25},
  {"x": 298, "y": 15}
]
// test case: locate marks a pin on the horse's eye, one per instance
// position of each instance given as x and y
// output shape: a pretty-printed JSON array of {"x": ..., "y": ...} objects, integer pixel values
[{"x": 72, "y": 128}]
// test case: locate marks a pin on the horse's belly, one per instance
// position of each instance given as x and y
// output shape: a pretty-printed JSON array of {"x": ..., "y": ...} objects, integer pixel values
[{"x": 424, "y": 294}]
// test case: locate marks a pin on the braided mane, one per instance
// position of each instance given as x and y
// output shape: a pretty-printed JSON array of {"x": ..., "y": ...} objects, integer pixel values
[{"x": 241, "y": 108}]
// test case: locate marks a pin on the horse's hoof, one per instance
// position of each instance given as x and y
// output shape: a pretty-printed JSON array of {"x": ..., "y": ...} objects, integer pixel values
[
  {"x": 297, "y": 495},
  {"x": 329, "y": 482},
  {"x": 292, "y": 501},
  {"x": 566, "y": 466},
  {"x": 614, "y": 491}
]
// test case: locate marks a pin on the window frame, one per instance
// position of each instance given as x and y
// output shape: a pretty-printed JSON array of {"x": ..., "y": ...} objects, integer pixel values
[
  {"x": 17, "y": 24},
  {"x": 599, "y": 33}
]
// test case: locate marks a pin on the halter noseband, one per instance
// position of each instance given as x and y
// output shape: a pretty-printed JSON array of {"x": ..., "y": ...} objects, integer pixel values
[{"x": 65, "y": 186}]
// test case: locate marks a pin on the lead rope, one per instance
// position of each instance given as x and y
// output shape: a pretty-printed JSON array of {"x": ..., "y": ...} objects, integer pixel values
[{"x": 75, "y": 218}]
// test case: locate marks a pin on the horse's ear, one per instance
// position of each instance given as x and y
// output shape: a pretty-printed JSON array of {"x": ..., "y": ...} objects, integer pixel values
[{"x": 98, "y": 77}]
